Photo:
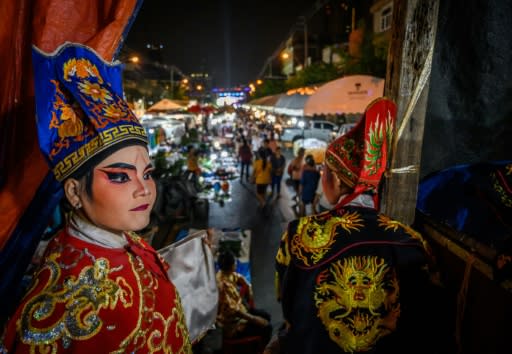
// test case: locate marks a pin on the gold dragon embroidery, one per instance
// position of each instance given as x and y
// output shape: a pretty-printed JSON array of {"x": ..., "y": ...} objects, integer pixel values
[
  {"x": 315, "y": 237},
  {"x": 358, "y": 301}
]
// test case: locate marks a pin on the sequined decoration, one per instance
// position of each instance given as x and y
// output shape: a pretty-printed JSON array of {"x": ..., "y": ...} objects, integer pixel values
[
  {"x": 82, "y": 297},
  {"x": 316, "y": 235},
  {"x": 358, "y": 302}
]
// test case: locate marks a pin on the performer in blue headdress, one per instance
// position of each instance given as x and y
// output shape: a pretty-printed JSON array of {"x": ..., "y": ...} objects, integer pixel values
[{"x": 100, "y": 286}]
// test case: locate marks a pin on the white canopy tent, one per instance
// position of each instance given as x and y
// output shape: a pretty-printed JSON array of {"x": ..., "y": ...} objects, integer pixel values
[{"x": 348, "y": 95}]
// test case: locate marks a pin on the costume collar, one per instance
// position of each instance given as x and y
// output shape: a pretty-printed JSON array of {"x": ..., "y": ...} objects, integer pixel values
[
  {"x": 362, "y": 200},
  {"x": 84, "y": 230}
]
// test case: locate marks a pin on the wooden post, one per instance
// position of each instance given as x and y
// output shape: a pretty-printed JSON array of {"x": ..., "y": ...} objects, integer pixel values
[{"x": 407, "y": 82}]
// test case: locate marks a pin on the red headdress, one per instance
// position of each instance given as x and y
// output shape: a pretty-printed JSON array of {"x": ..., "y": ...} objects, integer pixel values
[{"x": 359, "y": 157}]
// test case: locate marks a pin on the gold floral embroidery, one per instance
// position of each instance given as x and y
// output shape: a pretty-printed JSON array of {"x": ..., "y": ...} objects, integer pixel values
[
  {"x": 316, "y": 235},
  {"x": 145, "y": 334},
  {"x": 157, "y": 342},
  {"x": 358, "y": 301},
  {"x": 94, "y": 91},
  {"x": 81, "y": 68},
  {"x": 115, "y": 113}
]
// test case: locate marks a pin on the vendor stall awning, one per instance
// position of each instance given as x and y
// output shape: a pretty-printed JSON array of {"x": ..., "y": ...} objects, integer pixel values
[
  {"x": 350, "y": 94},
  {"x": 267, "y": 101},
  {"x": 164, "y": 106},
  {"x": 292, "y": 103}
]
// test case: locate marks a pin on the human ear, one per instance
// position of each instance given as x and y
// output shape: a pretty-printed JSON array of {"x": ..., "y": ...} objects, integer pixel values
[
  {"x": 331, "y": 185},
  {"x": 72, "y": 192}
]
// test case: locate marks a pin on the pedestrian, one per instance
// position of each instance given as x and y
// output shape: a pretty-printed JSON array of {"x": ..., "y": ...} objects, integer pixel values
[
  {"x": 256, "y": 141},
  {"x": 295, "y": 172},
  {"x": 193, "y": 161},
  {"x": 272, "y": 143},
  {"x": 308, "y": 184},
  {"x": 245, "y": 156},
  {"x": 265, "y": 149},
  {"x": 262, "y": 176},
  {"x": 100, "y": 287},
  {"x": 278, "y": 163},
  {"x": 352, "y": 279}
]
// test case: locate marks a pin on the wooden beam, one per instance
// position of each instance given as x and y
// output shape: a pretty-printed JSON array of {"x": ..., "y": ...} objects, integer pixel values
[{"x": 407, "y": 82}]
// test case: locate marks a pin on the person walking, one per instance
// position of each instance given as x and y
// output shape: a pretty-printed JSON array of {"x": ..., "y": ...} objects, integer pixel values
[
  {"x": 278, "y": 163},
  {"x": 352, "y": 279},
  {"x": 265, "y": 149},
  {"x": 262, "y": 175},
  {"x": 245, "y": 156},
  {"x": 308, "y": 184},
  {"x": 295, "y": 172}
]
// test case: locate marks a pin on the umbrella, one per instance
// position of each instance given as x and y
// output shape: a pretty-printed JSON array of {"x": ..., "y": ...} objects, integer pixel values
[{"x": 164, "y": 106}]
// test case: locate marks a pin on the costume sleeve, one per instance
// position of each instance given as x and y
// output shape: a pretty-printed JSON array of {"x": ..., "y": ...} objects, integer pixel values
[{"x": 282, "y": 262}]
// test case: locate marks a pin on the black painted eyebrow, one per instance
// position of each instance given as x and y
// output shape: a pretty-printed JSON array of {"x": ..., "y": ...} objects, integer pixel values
[
  {"x": 149, "y": 166},
  {"x": 125, "y": 166}
]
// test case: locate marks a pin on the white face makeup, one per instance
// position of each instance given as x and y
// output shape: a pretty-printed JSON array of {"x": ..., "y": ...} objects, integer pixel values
[{"x": 123, "y": 191}]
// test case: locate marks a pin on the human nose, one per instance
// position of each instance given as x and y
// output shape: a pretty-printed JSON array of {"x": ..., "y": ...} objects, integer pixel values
[{"x": 143, "y": 187}]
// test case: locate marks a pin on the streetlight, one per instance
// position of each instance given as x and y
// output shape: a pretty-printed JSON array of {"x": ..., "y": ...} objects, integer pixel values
[
  {"x": 285, "y": 55},
  {"x": 135, "y": 59}
]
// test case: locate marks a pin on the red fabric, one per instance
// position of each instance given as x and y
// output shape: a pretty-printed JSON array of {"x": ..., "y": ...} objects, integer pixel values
[
  {"x": 359, "y": 157},
  {"x": 47, "y": 24},
  {"x": 136, "y": 307}
]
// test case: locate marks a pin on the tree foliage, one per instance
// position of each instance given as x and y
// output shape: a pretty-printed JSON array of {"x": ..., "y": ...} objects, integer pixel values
[
  {"x": 269, "y": 86},
  {"x": 314, "y": 74},
  {"x": 363, "y": 58}
]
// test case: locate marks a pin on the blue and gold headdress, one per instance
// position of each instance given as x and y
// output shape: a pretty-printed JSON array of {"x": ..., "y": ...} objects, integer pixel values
[{"x": 81, "y": 113}]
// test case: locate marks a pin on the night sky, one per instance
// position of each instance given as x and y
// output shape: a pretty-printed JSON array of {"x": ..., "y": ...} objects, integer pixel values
[{"x": 228, "y": 39}]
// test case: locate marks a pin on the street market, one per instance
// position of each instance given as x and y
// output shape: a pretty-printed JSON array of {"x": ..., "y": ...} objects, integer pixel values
[{"x": 354, "y": 195}]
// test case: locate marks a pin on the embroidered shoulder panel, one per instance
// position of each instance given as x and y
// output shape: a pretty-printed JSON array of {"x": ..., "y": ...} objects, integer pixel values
[{"x": 316, "y": 234}]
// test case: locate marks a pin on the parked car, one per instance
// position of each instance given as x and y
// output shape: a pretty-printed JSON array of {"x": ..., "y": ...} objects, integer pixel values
[
  {"x": 343, "y": 129},
  {"x": 317, "y": 129}
]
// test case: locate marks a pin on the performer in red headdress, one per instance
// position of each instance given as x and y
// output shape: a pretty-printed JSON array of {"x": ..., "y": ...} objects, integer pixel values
[
  {"x": 352, "y": 279},
  {"x": 100, "y": 288}
]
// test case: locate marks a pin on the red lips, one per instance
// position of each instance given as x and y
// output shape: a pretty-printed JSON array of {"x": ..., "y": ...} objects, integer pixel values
[{"x": 140, "y": 207}]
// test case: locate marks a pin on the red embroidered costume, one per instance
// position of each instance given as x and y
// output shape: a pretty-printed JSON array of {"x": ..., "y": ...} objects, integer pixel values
[{"x": 90, "y": 298}]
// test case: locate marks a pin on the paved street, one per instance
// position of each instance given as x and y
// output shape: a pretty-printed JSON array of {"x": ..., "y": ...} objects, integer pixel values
[{"x": 266, "y": 226}]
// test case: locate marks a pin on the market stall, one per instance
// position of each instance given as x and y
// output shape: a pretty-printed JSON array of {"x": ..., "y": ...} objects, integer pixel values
[{"x": 348, "y": 95}]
